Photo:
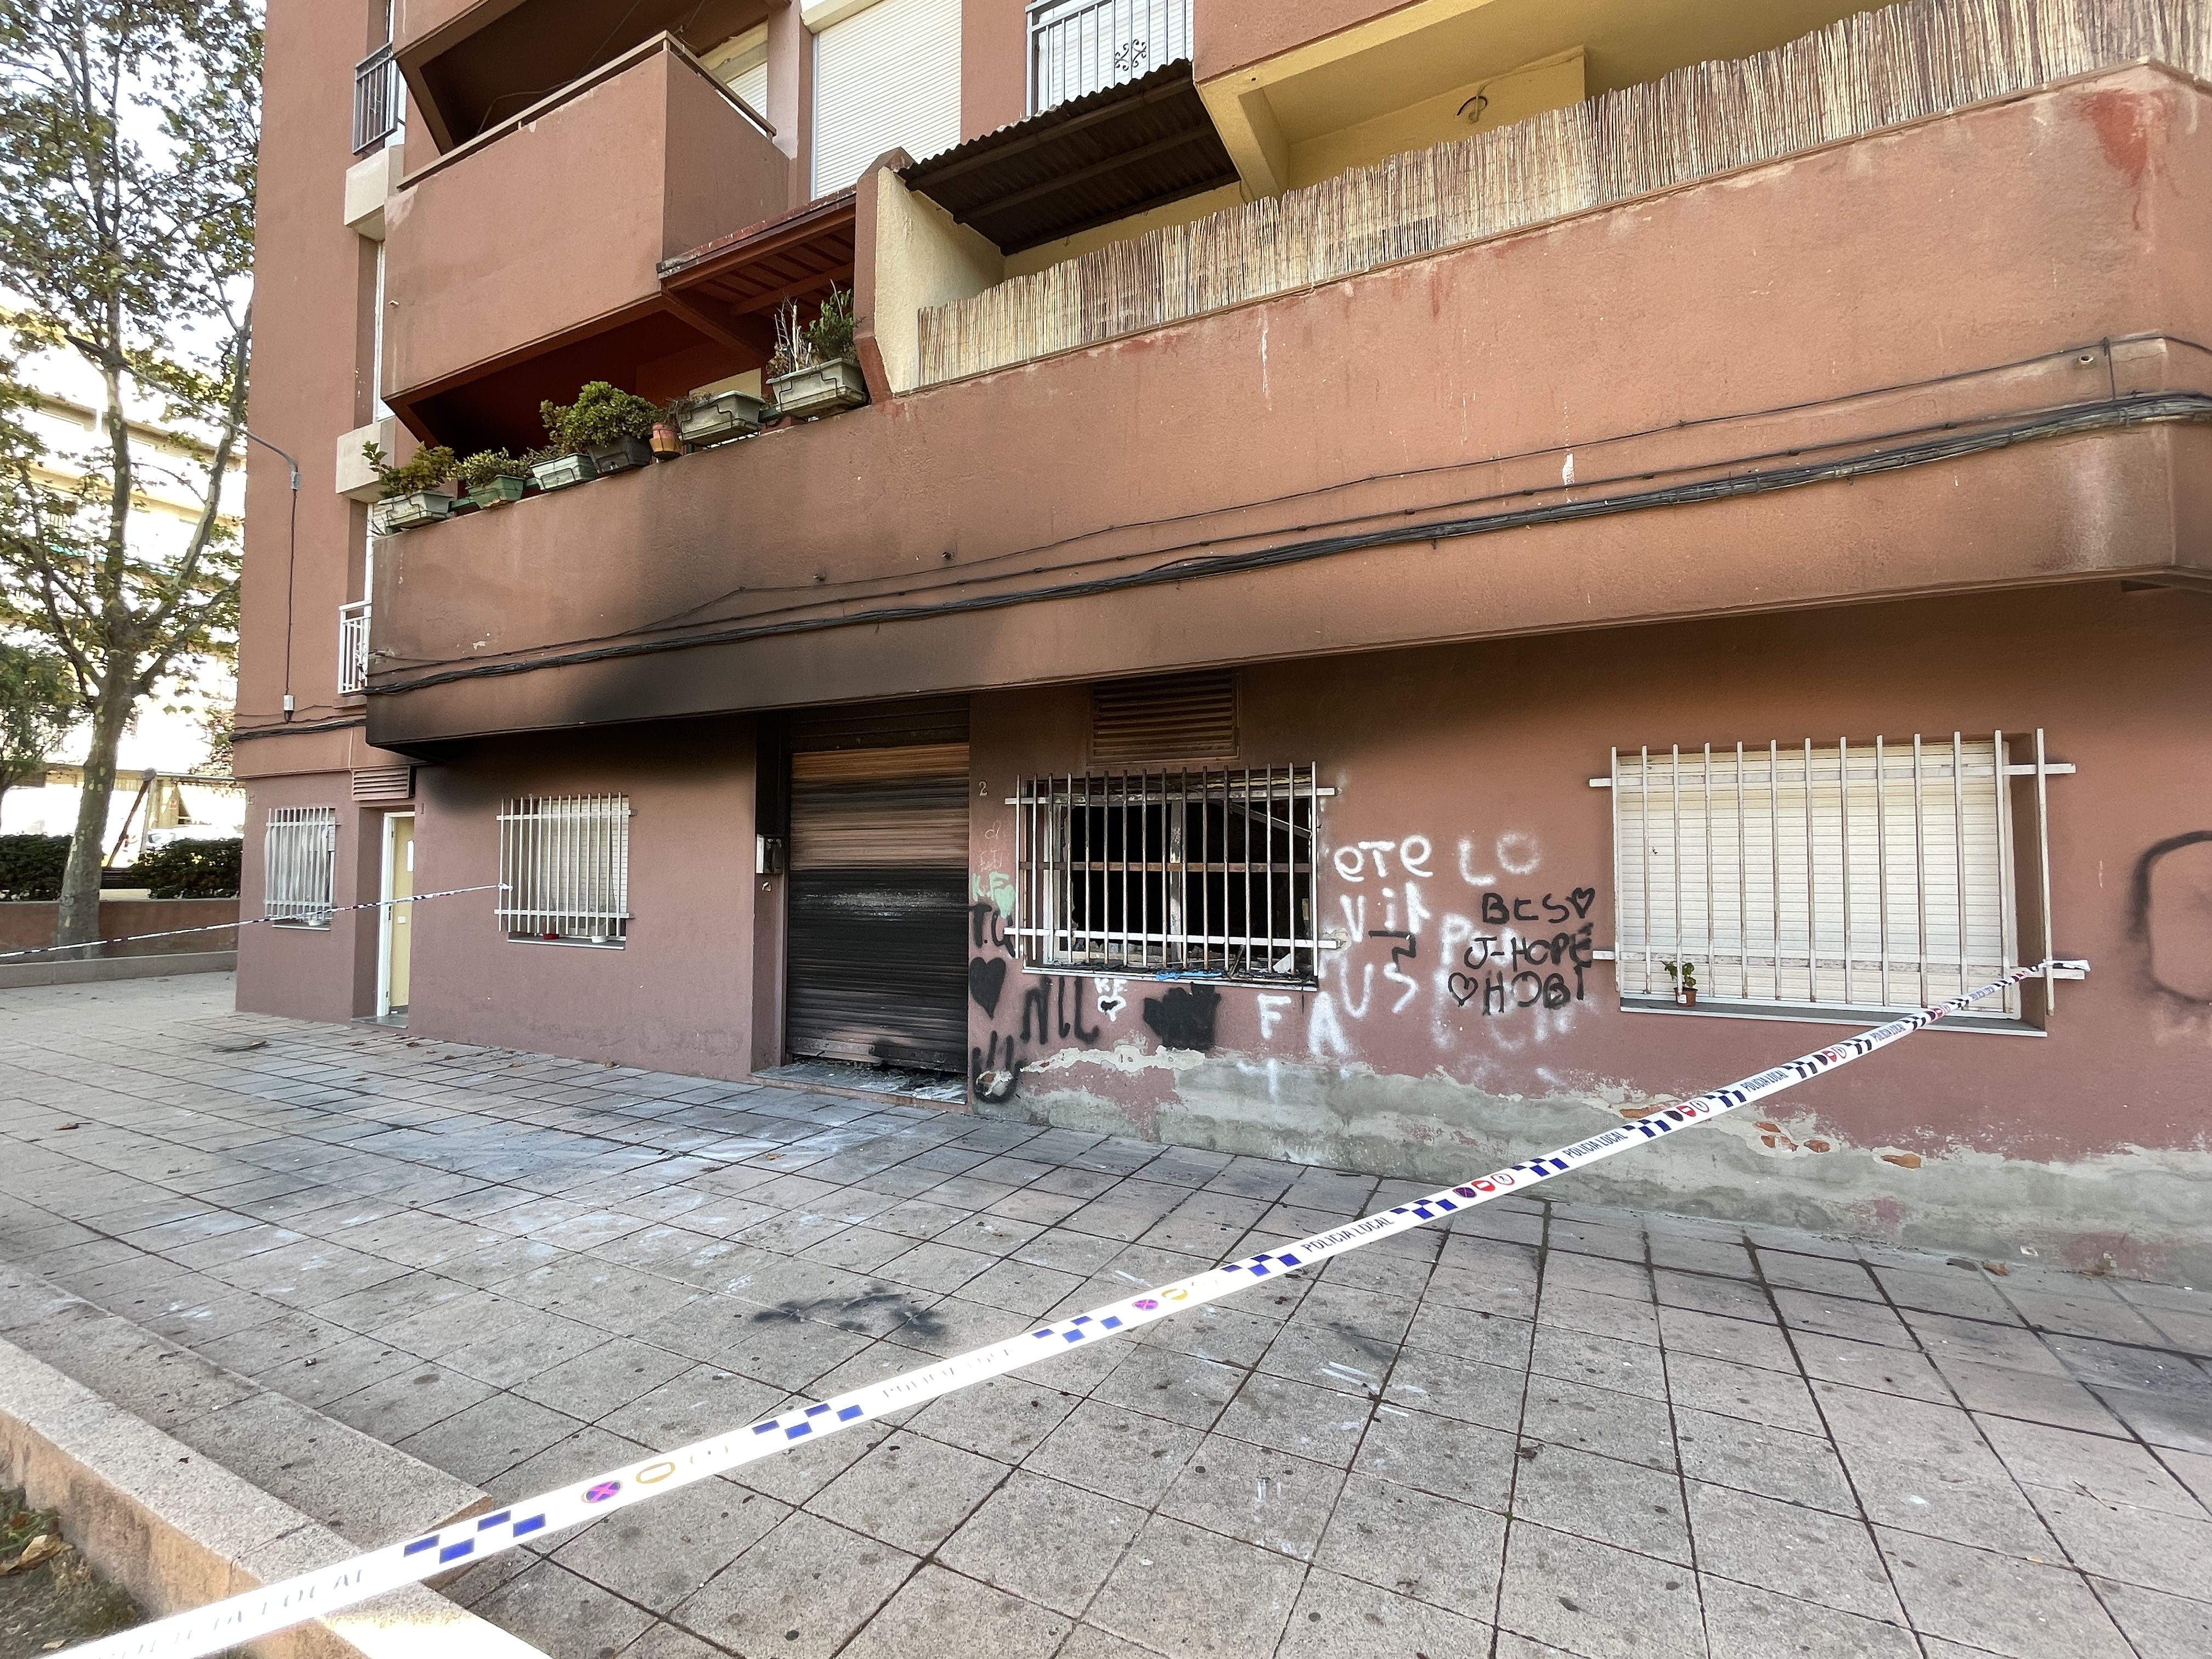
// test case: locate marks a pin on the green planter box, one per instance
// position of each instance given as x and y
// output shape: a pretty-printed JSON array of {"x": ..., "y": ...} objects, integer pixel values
[
  {"x": 563, "y": 470},
  {"x": 621, "y": 455},
  {"x": 820, "y": 389},
  {"x": 499, "y": 491},
  {"x": 725, "y": 414},
  {"x": 406, "y": 512}
]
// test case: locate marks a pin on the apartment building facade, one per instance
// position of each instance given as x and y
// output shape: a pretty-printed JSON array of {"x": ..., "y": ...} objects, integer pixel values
[{"x": 1413, "y": 580}]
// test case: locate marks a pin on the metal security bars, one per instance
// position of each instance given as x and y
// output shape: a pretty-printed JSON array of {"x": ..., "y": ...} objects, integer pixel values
[
  {"x": 353, "y": 646},
  {"x": 1201, "y": 874},
  {"x": 1079, "y": 45},
  {"x": 379, "y": 99},
  {"x": 1848, "y": 875},
  {"x": 300, "y": 868},
  {"x": 564, "y": 864}
]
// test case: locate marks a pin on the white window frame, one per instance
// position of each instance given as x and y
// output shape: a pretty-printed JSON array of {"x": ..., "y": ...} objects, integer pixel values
[
  {"x": 1185, "y": 929},
  {"x": 848, "y": 39},
  {"x": 299, "y": 871},
  {"x": 564, "y": 870},
  {"x": 1079, "y": 46},
  {"x": 1829, "y": 881}
]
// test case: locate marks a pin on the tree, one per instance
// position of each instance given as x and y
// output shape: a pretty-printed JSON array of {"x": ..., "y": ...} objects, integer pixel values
[
  {"x": 128, "y": 130},
  {"x": 38, "y": 703}
]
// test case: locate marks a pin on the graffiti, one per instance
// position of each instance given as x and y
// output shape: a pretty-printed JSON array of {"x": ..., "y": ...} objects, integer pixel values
[
  {"x": 1041, "y": 999},
  {"x": 987, "y": 927},
  {"x": 1412, "y": 854},
  {"x": 986, "y": 982},
  {"x": 1519, "y": 979},
  {"x": 2170, "y": 915},
  {"x": 1113, "y": 997},
  {"x": 1496, "y": 910},
  {"x": 1183, "y": 1017}
]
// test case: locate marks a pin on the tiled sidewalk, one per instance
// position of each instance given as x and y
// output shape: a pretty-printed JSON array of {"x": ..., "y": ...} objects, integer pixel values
[{"x": 1550, "y": 1430}]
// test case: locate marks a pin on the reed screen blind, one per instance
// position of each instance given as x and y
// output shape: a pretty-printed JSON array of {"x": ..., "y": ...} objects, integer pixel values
[
  {"x": 1204, "y": 873},
  {"x": 299, "y": 871},
  {"x": 564, "y": 866},
  {"x": 1874, "y": 875}
]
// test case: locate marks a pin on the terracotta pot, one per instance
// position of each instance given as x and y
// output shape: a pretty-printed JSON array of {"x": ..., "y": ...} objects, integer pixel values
[
  {"x": 1686, "y": 996},
  {"x": 667, "y": 445}
]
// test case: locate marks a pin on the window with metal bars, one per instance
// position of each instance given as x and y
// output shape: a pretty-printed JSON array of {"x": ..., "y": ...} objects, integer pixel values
[
  {"x": 1078, "y": 46},
  {"x": 299, "y": 870},
  {"x": 1823, "y": 877},
  {"x": 1170, "y": 874},
  {"x": 564, "y": 864}
]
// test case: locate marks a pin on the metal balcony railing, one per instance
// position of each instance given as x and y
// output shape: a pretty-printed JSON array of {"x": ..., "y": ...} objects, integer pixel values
[
  {"x": 353, "y": 646},
  {"x": 1079, "y": 45},
  {"x": 379, "y": 100}
]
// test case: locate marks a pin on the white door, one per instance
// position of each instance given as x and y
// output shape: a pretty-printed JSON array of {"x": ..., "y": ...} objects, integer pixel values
[
  {"x": 885, "y": 78},
  {"x": 395, "y": 956}
]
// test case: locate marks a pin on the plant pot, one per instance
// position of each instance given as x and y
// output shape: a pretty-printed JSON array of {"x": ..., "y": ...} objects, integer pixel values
[
  {"x": 406, "y": 512},
  {"x": 667, "y": 445},
  {"x": 820, "y": 389},
  {"x": 621, "y": 455},
  {"x": 563, "y": 470},
  {"x": 725, "y": 414},
  {"x": 1685, "y": 997},
  {"x": 499, "y": 491}
]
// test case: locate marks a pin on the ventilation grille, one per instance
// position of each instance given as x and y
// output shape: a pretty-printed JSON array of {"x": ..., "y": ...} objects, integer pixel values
[
  {"x": 1175, "y": 717},
  {"x": 384, "y": 783}
]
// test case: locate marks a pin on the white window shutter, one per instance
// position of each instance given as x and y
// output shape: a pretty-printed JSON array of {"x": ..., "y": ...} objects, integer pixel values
[
  {"x": 1804, "y": 875},
  {"x": 885, "y": 78}
]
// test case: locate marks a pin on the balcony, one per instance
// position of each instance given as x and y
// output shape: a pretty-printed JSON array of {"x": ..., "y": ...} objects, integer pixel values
[
  {"x": 526, "y": 262},
  {"x": 473, "y": 63},
  {"x": 1667, "y": 398},
  {"x": 353, "y": 648}
]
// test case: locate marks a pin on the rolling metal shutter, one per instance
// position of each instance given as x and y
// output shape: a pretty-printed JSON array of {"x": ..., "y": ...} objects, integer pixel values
[
  {"x": 878, "y": 959},
  {"x": 885, "y": 78}
]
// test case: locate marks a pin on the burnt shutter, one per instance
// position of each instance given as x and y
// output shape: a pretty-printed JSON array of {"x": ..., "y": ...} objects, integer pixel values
[
  {"x": 1168, "y": 717},
  {"x": 877, "y": 897}
]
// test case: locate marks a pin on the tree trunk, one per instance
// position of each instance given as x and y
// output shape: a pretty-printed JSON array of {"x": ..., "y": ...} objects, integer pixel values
[{"x": 79, "y": 922}]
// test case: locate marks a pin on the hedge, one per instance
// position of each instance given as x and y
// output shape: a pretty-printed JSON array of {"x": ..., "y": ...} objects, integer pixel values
[
  {"x": 31, "y": 866},
  {"x": 190, "y": 869}
]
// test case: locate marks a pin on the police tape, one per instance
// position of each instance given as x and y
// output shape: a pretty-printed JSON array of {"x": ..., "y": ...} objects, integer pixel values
[
  {"x": 345, "y": 1583},
  {"x": 251, "y": 922}
]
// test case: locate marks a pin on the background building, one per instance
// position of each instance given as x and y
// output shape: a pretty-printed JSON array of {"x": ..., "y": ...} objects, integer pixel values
[
  {"x": 1385, "y": 538},
  {"x": 174, "y": 735}
]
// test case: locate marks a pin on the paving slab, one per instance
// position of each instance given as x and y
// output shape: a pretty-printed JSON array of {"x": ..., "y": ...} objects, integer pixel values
[{"x": 1551, "y": 1429}]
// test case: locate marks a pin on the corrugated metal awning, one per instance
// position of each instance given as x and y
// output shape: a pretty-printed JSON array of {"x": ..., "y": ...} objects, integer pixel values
[{"x": 1123, "y": 150}]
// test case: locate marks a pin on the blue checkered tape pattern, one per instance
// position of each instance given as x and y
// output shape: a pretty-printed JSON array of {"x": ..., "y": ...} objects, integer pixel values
[{"x": 246, "y": 1617}]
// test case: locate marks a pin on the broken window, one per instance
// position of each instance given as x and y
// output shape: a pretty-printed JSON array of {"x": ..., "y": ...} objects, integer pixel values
[{"x": 1206, "y": 874}]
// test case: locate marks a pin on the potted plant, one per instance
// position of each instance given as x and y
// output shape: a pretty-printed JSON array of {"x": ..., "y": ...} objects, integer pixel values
[
  {"x": 493, "y": 477},
  {"x": 814, "y": 371},
  {"x": 720, "y": 416},
  {"x": 667, "y": 440},
  {"x": 413, "y": 492},
  {"x": 608, "y": 425},
  {"x": 1685, "y": 975}
]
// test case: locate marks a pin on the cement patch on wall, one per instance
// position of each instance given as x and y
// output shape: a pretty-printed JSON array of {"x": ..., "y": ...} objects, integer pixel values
[{"x": 2132, "y": 1210}]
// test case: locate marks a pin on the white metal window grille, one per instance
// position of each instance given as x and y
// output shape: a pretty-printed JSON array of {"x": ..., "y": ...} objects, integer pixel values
[
  {"x": 1079, "y": 45},
  {"x": 1812, "y": 876},
  {"x": 1207, "y": 873},
  {"x": 353, "y": 646},
  {"x": 564, "y": 864},
  {"x": 299, "y": 866}
]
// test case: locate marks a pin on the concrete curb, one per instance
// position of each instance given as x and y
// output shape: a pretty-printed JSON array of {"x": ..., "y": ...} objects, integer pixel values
[
  {"x": 101, "y": 970},
  {"x": 178, "y": 1530}
]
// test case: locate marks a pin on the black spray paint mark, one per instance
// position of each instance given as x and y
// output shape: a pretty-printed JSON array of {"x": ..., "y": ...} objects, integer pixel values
[
  {"x": 986, "y": 982},
  {"x": 2170, "y": 918},
  {"x": 1516, "y": 981},
  {"x": 1183, "y": 1019}
]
